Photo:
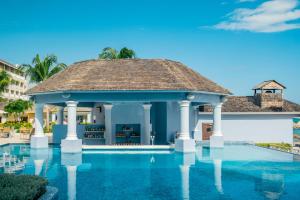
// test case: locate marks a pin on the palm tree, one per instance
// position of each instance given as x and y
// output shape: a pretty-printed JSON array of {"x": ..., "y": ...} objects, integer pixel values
[
  {"x": 41, "y": 70},
  {"x": 111, "y": 53},
  {"x": 4, "y": 80},
  {"x": 108, "y": 53}
]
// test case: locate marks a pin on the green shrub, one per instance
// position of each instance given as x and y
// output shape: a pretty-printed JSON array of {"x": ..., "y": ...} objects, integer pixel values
[
  {"x": 21, "y": 187},
  {"x": 16, "y": 125},
  {"x": 281, "y": 146}
]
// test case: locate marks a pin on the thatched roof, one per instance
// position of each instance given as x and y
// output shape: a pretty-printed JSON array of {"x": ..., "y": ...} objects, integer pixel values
[
  {"x": 247, "y": 104},
  {"x": 128, "y": 74}
]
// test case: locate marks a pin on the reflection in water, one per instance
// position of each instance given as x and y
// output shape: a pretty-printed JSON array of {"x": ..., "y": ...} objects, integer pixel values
[
  {"x": 13, "y": 159},
  {"x": 185, "y": 181},
  {"x": 218, "y": 175},
  {"x": 38, "y": 167},
  {"x": 71, "y": 162},
  {"x": 72, "y": 171},
  {"x": 187, "y": 160},
  {"x": 271, "y": 186},
  {"x": 41, "y": 158}
]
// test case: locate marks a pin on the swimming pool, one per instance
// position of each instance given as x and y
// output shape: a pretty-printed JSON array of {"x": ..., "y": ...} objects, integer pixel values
[{"x": 235, "y": 172}]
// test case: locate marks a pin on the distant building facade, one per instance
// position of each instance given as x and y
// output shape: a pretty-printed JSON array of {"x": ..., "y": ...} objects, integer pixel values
[
  {"x": 264, "y": 117},
  {"x": 17, "y": 88}
]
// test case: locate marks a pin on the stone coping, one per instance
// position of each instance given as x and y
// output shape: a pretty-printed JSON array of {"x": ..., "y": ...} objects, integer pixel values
[
  {"x": 127, "y": 147},
  {"x": 51, "y": 194}
]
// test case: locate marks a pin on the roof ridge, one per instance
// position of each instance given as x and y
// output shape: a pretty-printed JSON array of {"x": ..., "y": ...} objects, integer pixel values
[{"x": 187, "y": 82}]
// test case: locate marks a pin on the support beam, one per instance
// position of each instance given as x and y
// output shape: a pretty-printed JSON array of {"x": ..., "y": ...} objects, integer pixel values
[
  {"x": 184, "y": 143},
  {"x": 197, "y": 130},
  {"x": 39, "y": 140},
  {"x": 71, "y": 144},
  {"x": 147, "y": 124},
  {"x": 89, "y": 118},
  {"x": 60, "y": 115},
  {"x": 53, "y": 117},
  {"x": 217, "y": 139},
  {"x": 108, "y": 125}
]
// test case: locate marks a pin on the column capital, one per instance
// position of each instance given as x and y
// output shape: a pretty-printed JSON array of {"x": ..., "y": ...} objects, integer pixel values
[
  {"x": 217, "y": 104},
  {"x": 184, "y": 103},
  {"x": 147, "y": 106},
  {"x": 108, "y": 106},
  {"x": 71, "y": 103}
]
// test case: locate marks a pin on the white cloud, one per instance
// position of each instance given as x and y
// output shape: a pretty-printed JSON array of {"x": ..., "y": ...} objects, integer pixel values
[{"x": 270, "y": 16}]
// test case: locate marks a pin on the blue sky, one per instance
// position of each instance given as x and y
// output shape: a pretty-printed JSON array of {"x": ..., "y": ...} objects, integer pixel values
[{"x": 237, "y": 43}]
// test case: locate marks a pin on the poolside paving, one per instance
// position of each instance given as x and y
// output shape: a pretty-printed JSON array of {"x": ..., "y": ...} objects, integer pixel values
[
  {"x": 128, "y": 147},
  {"x": 13, "y": 140}
]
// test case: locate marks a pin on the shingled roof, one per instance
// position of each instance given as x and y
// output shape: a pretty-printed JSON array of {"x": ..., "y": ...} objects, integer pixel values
[
  {"x": 127, "y": 74},
  {"x": 271, "y": 84},
  {"x": 247, "y": 104}
]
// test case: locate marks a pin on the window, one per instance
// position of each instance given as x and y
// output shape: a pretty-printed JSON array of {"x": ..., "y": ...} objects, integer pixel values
[{"x": 201, "y": 108}]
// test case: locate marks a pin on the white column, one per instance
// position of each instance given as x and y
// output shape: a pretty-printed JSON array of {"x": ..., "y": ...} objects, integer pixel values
[
  {"x": 147, "y": 124},
  {"x": 108, "y": 131},
  {"x": 39, "y": 140},
  {"x": 94, "y": 117},
  {"x": 217, "y": 140},
  {"x": 218, "y": 175},
  {"x": 47, "y": 117},
  {"x": 60, "y": 115},
  {"x": 38, "y": 120},
  {"x": 184, "y": 143},
  {"x": 197, "y": 130},
  {"x": 89, "y": 117},
  {"x": 53, "y": 117},
  {"x": 3, "y": 118},
  {"x": 72, "y": 121},
  {"x": 71, "y": 144},
  {"x": 72, "y": 171},
  {"x": 217, "y": 131},
  {"x": 184, "y": 120}
]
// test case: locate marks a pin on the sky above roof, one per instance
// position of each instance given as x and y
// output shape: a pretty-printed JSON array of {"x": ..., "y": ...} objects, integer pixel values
[{"x": 236, "y": 43}]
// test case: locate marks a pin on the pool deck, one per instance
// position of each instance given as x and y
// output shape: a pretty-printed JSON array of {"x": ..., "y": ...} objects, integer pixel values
[
  {"x": 17, "y": 140},
  {"x": 13, "y": 140},
  {"x": 128, "y": 147}
]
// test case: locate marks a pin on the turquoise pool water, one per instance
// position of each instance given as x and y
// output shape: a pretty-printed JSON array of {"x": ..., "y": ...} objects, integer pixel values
[{"x": 236, "y": 172}]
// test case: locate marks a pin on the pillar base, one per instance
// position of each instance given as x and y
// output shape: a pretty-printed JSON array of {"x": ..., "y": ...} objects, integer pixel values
[
  {"x": 71, "y": 146},
  {"x": 39, "y": 142},
  {"x": 216, "y": 141},
  {"x": 185, "y": 146}
]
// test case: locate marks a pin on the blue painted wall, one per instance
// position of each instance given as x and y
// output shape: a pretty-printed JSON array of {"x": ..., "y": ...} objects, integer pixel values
[{"x": 159, "y": 122}]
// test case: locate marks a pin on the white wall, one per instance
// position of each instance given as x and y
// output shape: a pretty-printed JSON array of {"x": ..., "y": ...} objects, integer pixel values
[
  {"x": 97, "y": 115},
  {"x": 253, "y": 128}
]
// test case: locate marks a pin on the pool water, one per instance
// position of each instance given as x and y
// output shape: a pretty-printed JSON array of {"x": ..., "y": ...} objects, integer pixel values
[{"x": 235, "y": 172}]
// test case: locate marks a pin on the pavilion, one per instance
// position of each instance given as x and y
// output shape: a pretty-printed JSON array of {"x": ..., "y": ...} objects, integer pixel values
[{"x": 145, "y": 97}]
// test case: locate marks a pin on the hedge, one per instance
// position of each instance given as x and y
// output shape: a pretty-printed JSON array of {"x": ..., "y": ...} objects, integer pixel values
[
  {"x": 281, "y": 146},
  {"x": 21, "y": 187}
]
